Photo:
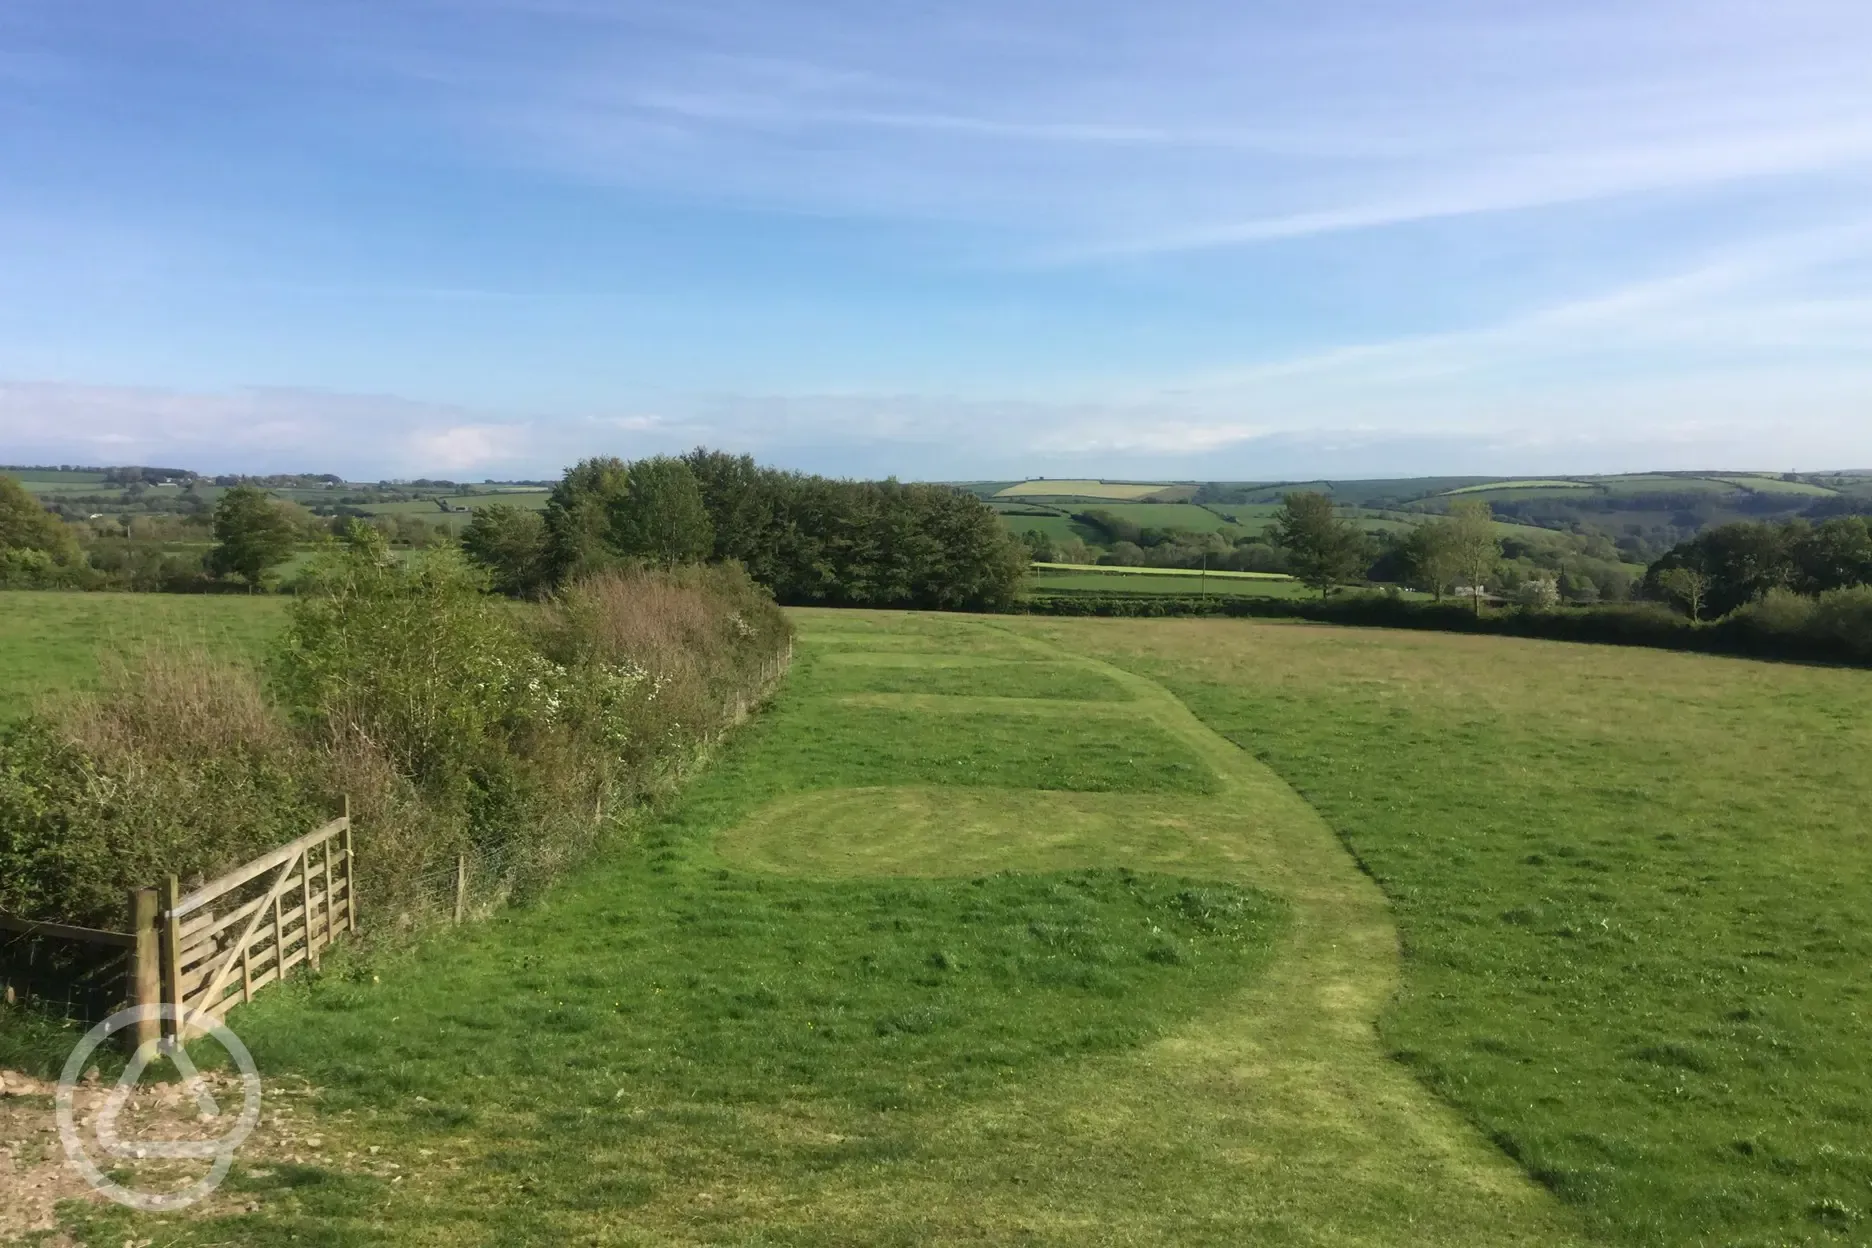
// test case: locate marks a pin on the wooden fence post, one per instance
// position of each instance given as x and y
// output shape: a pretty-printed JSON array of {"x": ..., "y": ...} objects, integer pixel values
[
  {"x": 331, "y": 924},
  {"x": 145, "y": 963},
  {"x": 350, "y": 873},
  {"x": 172, "y": 953},
  {"x": 305, "y": 902},
  {"x": 461, "y": 886}
]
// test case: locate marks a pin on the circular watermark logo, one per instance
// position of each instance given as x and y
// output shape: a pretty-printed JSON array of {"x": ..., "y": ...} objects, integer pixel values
[{"x": 104, "y": 1125}]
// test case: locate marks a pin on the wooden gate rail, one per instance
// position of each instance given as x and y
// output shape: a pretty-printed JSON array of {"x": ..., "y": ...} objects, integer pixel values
[
  {"x": 211, "y": 949},
  {"x": 64, "y": 931},
  {"x": 224, "y": 941}
]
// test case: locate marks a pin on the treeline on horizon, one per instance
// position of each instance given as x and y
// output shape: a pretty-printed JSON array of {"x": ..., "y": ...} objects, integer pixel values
[{"x": 808, "y": 539}]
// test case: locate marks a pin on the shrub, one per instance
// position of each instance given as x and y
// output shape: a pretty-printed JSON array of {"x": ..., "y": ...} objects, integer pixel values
[
  {"x": 176, "y": 766},
  {"x": 1779, "y": 611},
  {"x": 1843, "y": 618},
  {"x": 1540, "y": 592}
]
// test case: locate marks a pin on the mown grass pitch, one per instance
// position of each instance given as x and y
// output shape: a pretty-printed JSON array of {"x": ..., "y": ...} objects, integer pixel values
[{"x": 904, "y": 968}]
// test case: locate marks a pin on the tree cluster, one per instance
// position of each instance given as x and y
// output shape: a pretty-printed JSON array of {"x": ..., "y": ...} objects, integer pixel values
[
  {"x": 36, "y": 547},
  {"x": 808, "y": 539},
  {"x": 1732, "y": 565}
]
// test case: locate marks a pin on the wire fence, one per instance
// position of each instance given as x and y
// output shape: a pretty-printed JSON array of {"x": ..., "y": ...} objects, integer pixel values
[
  {"x": 474, "y": 882},
  {"x": 61, "y": 978}
]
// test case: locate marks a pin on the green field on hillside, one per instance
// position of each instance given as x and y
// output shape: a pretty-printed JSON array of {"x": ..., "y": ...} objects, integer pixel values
[
  {"x": 1141, "y": 581},
  {"x": 1170, "y": 516},
  {"x": 1662, "y": 483},
  {"x": 1495, "y": 487},
  {"x": 1076, "y": 488},
  {"x": 1056, "y": 528},
  {"x": 1757, "y": 484},
  {"x": 43, "y": 481}
]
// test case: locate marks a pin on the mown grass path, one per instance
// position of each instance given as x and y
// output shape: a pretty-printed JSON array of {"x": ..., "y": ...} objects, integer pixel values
[{"x": 1330, "y": 1140}]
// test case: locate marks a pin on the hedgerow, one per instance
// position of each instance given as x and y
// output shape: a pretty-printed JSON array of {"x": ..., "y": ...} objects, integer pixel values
[
  {"x": 1832, "y": 627},
  {"x": 453, "y": 722}
]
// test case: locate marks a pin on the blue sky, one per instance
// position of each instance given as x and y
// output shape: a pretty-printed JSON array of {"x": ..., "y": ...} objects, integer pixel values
[{"x": 987, "y": 238}]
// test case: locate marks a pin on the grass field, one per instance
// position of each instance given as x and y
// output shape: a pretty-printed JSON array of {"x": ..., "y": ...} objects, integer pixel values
[
  {"x": 903, "y": 968},
  {"x": 1169, "y": 572},
  {"x": 1056, "y": 528},
  {"x": 1036, "y": 930},
  {"x": 1756, "y": 484},
  {"x": 52, "y": 481},
  {"x": 1170, "y": 516},
  {"x": 1632, "y": 886},
  {"x": 1145, "y": 581},
  {"x": 1662, "y": 483},
  {"x": 1494, "y": 487},
  {"x": 53, "y": 641}
]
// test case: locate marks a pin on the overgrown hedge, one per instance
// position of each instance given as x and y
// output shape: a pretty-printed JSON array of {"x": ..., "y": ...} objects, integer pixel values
[
  {"x": 1833, "y": 627},
  {"x": 454, "y": 721}
]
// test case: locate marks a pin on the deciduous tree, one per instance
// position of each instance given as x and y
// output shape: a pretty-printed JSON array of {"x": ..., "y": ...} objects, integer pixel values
[
  {"x": 1688, "y": 585},
  {"x": 253, "y": 534},
  {"x": 510, "y": 543},
  {"x": 660, "y": 516},
  {"x": 1322, "y": 549},
  {"x": 1475, "y": 551}
]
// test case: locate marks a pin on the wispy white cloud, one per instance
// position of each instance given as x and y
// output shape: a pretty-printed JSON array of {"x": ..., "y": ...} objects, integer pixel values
[
  {"x": 1202, "y": 125},
  {"x": 251, "y": 429}
]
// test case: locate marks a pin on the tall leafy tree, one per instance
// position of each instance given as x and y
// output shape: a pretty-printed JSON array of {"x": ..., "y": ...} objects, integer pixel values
[
  {"x": 741, "y": 498},
  {"x": 36, "y": 547},
  {"x": 1323, "y": 550},
  {"x": 578, "y": 516},
  {"x": 660, "y": 515},
  {"x": 1835, "y": 554},
  {"x": 1743, "y": 561},
  {"x": 511, "y": 544},
  {"x": 807, "y": 539},
  {"x": 26, "y": 525},
  {"x": 1431, "y": 552},
  {"x": 1474, "y": 549},
  {"x": 253, "y": 534}
]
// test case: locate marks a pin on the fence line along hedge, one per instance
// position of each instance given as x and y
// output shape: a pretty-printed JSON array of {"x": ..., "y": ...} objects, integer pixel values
[{"x": 1833, "y": 627}]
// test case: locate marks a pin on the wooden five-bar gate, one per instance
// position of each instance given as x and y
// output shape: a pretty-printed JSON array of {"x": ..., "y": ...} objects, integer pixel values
[
  {"x": 208, "y": 950},
  {"x": 231, "y": 937}
]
